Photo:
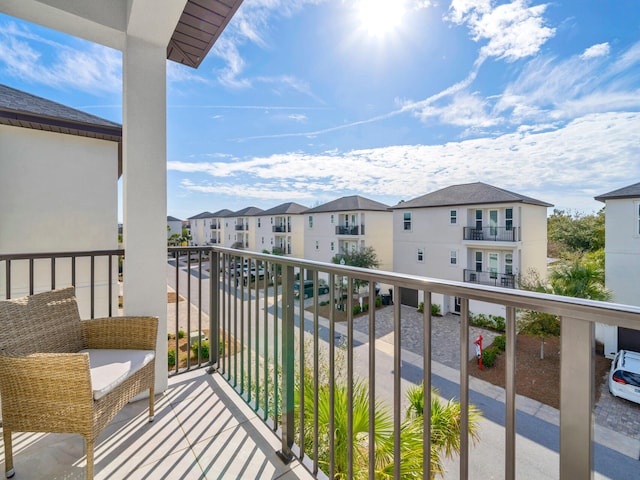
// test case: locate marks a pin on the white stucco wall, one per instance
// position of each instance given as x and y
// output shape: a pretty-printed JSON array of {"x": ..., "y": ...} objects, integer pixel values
[{"x": 58, "y": 193}]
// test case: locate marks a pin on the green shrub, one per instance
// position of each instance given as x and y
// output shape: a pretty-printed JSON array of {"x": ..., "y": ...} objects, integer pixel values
[
  {"x": 489, "y": 356},
  {"x": 421, "y": 307},
  {"x": 181, "y": 334},
  {"x": 378, "y": 301},
  {"x": 365, "y": 307},
  {"x": 172, "y": 357},
  {"x": 204, "y": 350},
  {"x": 500, "y": 342},
  {"x": 356, "y": 309},
  {"x": 169, "y": 336},
  {"x": 323, "y": 303},
  {"x": 435, "y": 310},
  {"x": 494, "y": 322}
]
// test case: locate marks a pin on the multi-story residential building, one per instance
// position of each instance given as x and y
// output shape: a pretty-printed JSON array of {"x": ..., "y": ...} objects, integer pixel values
[
  {"x": 281, "y": 230},
  {"x": 47, "y": 151},
  {"x": 174, "y": 226},
  {"x": 240, "y": 228},
  {"x": 218, "y": 226},
  {"x": 622, "y": 262},
  {"x": 473, "y": 233},
  {"x": 200, "y": 227},
  {"x": 346, "y": 225}
]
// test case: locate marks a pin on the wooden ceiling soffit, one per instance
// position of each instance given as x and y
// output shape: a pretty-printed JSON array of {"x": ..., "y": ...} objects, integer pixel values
[{"x": 200, "y": 25}]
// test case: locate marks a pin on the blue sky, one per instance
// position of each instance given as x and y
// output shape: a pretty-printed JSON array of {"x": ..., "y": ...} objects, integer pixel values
[{"x": 310, "y": 100}]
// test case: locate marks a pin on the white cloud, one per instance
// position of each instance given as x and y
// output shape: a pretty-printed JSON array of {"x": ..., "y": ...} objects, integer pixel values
[
  {"x": 595, "y": 51},
  {"x": 86, "y": 66},
  {"x": 512, "y": 31},
  {"x": 590, "y": 154}
]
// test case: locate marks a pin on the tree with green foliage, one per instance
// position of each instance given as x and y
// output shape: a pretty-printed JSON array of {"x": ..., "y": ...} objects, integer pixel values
[
  {"x": 365, "y": 257},
  {"x": 445, "y": 427},
  {"x": 574, "y": 233}
]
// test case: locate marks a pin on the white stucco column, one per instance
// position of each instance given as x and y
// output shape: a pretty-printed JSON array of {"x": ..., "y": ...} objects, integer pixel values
[{"x": 145, "y": 188}]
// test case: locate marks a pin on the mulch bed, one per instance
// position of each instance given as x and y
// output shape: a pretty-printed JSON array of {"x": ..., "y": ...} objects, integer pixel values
[{"x": 536, "y": 378}]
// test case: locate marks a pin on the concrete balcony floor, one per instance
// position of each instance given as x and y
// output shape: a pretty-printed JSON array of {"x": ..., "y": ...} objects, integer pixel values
[{"x": 201, "y": 431}]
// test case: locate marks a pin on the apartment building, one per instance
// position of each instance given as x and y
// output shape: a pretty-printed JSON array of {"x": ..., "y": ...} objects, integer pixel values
[
  {"x": 622, "y": 262},
  {"x": 469, "y": 233},
  {"x": 346, "y": 225},
  {"x": 200, "y": 227},
  {"x": 59, "y": 170},
  {"x": 218, "y": 226},
  {"x": 281, "y": 229},
  {"x": 240, "y": 229},
  {"x": 174, "y": 226}
]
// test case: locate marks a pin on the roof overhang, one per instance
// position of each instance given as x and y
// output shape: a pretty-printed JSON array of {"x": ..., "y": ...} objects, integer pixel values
[{"x": 200, "y": 25}]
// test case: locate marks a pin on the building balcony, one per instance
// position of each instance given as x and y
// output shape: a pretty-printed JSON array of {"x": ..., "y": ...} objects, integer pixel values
[
  {"x": 281, "y": 229},
  {"x": 353, "y": 230},
  {"x": 492, "y": 234},
  {"x": 214, "y": 227},
  {"x": 496, "y": 279},
  {"x": 234, "y": 411},
  {"x": 242, "y": 227}
]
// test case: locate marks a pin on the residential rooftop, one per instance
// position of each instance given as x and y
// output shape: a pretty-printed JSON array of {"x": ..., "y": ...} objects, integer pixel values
[
  {"x": 468, "y": 194},
  {"x": 349, "y": 204},
  {"x": 631, "y": 191}
]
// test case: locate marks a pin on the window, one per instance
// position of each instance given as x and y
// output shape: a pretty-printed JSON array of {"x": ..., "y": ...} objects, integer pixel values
[
  {"x": 332, "y": 245},
  {"x": 453, "y": 257},
  {"x": 479, "y": 219},
  {"x": 407, "y": 221},
  {"x": 453, "y": 217},
  {"x": 271, "y": 220},
  {"x": 263, "y": 240},
  {"x": 508, "y": 263},
  {"x": 478, "y": 261},
  {"x": 420, "y": 255},
  {"x": 259, "y": 221},
  {"x": 332, "y": 223},
  {"x": 508, "y": 219},
  {"x": 317, "y": 244},
  {"x": 311, "y": 222}
]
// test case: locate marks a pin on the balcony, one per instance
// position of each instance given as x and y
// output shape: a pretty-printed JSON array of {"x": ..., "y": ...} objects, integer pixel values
[
  {"x": 242, "y": 227},
  {"x": 492, "y": 234},
  {"x": 495, "y": 279},
  {"x": 235, "y": 412},
  {"x": 281, "y": 229},
  {"x": 214, "y": 226},
  {"x": 346, "y": 230}
]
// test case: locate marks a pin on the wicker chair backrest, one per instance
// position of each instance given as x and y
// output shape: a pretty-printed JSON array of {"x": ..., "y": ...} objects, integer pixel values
[{"x": 46, "y": 322}]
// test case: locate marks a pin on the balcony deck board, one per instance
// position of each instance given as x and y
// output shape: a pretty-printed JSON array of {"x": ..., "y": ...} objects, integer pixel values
[{"x": 201, "y": 431}]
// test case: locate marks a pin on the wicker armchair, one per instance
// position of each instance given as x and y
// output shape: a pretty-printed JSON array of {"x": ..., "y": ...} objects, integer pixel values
[{"x": 60, "y": 374}]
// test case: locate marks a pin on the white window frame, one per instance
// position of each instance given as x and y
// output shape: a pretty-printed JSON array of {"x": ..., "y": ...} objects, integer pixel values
[
  {"x": 453, "y": 258},
  {"x": 453, "y": 217},
  {"x": 508, "y": 219},
  {"x": 508, "y": 263},
  {"x": 407, "y": 224},
  {"x": 332, "y": 246},
  {"x": 317, "y": 245},
  {"x": 311, "y": 221},
  {"x": 420, "y": 255}
]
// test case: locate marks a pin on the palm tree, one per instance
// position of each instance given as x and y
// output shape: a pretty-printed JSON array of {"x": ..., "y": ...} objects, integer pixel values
[
  {"x": 445, "y": 431},
  {"x": 581, "y": 280}
]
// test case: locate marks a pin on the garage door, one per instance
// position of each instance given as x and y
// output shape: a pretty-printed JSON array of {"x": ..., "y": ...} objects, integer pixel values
[
  {"x": 409, "y": 297},
  {"x": 628, "y": 339}
]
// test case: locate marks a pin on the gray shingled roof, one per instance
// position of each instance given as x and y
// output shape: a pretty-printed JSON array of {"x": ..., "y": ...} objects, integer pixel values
[
  {"x": 21, "y": 109},
  {"x": 350, "y": 204},
  {"x": 172, "y": 219},
  {"x": 247, "y": 212},
  {"x": 284, "y": 208},
  {"x": 631, "y": 191},
  {"x": 225, "y": 212},
  {"x": 201, "y": 215},
  {"x": 468, "y": 194}
]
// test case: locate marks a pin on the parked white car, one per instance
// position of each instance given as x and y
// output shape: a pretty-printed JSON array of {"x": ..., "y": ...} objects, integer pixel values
[{"x": 624, "y": 377}]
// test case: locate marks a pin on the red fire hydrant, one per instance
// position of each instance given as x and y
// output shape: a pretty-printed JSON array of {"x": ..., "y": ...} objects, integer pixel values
[{"x": 478, "y": 343}]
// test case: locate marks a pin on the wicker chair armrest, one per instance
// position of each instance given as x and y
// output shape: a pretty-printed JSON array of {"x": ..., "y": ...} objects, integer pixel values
[
  {"x": 136, "y": 333},
  {"x": 45, "y": 383}
]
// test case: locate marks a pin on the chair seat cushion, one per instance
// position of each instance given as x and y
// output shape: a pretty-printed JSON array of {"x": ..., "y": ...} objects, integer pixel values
[{"x": 109, "y": 368}]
